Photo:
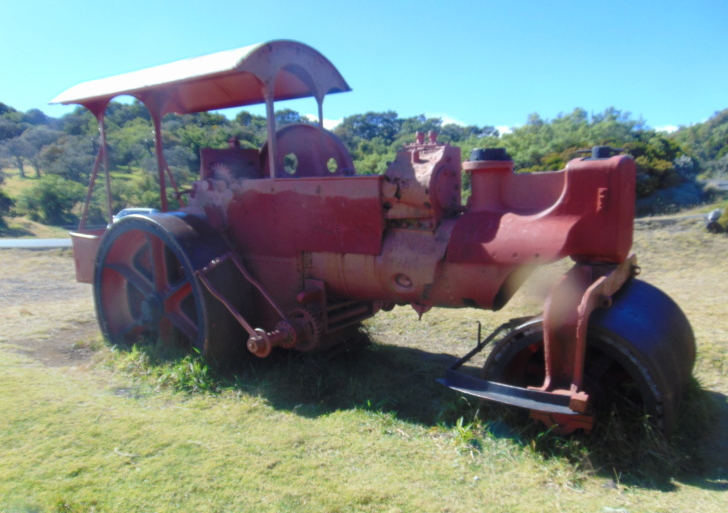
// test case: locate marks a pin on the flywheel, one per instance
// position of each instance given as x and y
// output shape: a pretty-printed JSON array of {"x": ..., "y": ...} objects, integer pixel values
[{"x": 146, "y": 289}]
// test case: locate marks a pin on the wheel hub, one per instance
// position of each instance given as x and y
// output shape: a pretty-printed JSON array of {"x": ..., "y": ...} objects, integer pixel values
[{"x": 152, "y": 309}]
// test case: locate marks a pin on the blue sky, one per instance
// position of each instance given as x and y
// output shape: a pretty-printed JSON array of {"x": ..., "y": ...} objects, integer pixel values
[{"x": 474, "y": 62}]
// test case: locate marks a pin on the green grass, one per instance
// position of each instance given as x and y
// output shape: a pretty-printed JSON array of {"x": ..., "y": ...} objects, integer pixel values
[
  {"x": 14, "y": 185},
  {"x": 126, "y": 441},
  {"x": 22, "y": 227},
  {"x": 360, "y": 430}
]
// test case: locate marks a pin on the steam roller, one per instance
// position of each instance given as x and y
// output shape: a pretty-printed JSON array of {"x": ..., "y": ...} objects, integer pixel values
[{"x": 285, "y": 246}]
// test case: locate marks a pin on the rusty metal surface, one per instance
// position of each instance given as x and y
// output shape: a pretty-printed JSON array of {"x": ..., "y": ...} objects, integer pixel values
[
  {"x": 585, "y": 211},
  {"x": 330, "y": 158},
  {"x": 566, "y": 318},
  {"x": 284, "y": 217}
]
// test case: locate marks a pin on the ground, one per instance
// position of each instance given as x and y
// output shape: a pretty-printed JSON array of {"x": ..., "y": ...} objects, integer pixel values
[{"x": 47, "y": 316}]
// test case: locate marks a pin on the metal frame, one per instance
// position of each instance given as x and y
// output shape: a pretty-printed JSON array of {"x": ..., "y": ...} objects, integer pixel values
[{"x": 282, "y": 70}]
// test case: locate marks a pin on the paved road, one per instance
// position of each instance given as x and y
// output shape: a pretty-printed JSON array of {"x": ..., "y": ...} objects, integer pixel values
[
  {"x": 35, "y": 243},
  {"x": 721, "y": 185}
]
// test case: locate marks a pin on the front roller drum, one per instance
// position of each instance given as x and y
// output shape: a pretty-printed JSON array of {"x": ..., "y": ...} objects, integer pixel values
[
  {"x": 640, "y": 351},
  {"x": 146, "y": 290}
]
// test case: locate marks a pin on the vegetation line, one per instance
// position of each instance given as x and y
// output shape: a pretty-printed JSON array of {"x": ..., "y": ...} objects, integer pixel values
[{"x": 53, "y": 157}]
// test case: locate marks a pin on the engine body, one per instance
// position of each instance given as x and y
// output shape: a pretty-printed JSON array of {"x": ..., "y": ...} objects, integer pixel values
[{"x": 405, "y": 237}]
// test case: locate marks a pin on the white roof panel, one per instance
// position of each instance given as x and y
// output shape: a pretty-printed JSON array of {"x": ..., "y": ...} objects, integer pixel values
[{"x": 224, "y": 79}]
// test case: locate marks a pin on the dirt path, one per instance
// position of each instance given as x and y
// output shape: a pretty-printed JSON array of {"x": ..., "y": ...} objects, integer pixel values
[{"x": 44, "y": 313}]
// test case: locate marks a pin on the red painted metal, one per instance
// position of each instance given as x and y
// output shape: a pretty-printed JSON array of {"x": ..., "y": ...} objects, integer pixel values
[{"x": 310, "y": 249}]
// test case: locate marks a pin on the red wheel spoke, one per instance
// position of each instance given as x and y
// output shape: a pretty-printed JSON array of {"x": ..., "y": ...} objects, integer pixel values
[
  {"x": 136, "y": 328},
  {"x": 174, "y": 295},
  {"x": 136, "y": 279},
  {"x": 184, "y": 324},
  {"x": 175, "y": 313},
  {"x": 159, "y": 263}
]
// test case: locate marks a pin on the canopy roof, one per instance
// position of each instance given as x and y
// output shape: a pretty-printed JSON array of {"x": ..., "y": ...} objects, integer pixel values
[{"x": 232, "y": 78}]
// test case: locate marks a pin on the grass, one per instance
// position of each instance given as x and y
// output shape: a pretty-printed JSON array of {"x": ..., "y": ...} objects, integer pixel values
[
  {"x": 14, "y": 185},
  {"x": 364, "y": 430},
  {"x": 21, "y": 227}
]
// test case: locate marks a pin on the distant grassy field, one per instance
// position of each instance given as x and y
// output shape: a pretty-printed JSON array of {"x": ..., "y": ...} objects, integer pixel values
[
  {"x": 22, "y": 227},
  {"x": 14, "y": 185},
  {"x": 86, "y": 427}
]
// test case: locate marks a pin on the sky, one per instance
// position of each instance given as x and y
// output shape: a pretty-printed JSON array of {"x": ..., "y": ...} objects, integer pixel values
[{"x": 471, "y": 62}]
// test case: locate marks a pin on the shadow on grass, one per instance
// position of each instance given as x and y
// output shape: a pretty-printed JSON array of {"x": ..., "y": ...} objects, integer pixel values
[
  {"x": 400, "y": 381},
  {"x": 14, "y": 232}
]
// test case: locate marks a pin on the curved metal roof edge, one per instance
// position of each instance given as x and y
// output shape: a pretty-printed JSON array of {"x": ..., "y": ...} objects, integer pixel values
[{"x": 199, "y": 68}]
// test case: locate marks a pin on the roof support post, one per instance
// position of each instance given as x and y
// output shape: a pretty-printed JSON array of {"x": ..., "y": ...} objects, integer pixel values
[
  {"x": 271, "y": 115},
  {"x": 161, "y": 162},
  {"x": 98, "y": 109},
  {"x": 105, "y": 160},
  {"x": 90, "y": 190}
]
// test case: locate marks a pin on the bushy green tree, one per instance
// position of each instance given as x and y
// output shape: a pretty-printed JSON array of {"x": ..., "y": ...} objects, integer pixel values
[
  {"x": 70, "y": 157},
  {"x": 654, "y": 155},
  {"x": 369, "y": 126},
  {"x": 80, "y": 122},
  {"x": 707, "y": 141},
  {"x": 9, "y": 129},
  {"x": 36, "y": 138},
  {"x": 18, "y": 151},
  {"x": 51, "y": 200},
  {"x": 130, "y": 143},
  {"x": 6, "y": 204}
]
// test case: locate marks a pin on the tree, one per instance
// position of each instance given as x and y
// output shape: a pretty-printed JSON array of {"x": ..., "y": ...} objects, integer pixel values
[
  {"x": 9, "y": 129},
  {"x": 6, "y": 204},
  {"x": 120, "y": 114},
  {"x": 51, "y": 200},
  {"x": 19, "y": 151},
  {"x": 420, "y": 123},
  {"x": 80, "y": 122},
  {"x": 707, "y": 141},
  {"x": 36, "y": 138},
  {"x": 132, "y": 142},
  {"x": 383, "y": 125},
  {"x": 288, "y": 117},
  {"x": 654, "y": 155},
  {"x": 70, "y": 157},
  {"x": 35, "y": 117}
]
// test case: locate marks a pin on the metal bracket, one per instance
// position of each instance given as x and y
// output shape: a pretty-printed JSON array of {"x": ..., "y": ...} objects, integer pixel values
[
  {"x": 559, "y": 402},
  {"x": 260, "y": 342},
  {"x": 566, "y": 319},
  {"x": 499, "y": 392}
]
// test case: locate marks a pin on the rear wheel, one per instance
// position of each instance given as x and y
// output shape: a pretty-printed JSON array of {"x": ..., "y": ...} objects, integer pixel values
[
  {"x": 145, "y": 287},
  {"x": 640, "y": 354}
]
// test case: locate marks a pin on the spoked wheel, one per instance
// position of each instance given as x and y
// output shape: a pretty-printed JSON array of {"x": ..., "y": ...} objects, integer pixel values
[
  {"x": 145, "y": 288},
  {"x": 640, "y": 354}
]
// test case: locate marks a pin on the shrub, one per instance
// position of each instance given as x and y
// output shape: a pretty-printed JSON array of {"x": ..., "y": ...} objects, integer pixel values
[
  {"x": 51, "y": 200},
  {"x": 6, "y": 203}
]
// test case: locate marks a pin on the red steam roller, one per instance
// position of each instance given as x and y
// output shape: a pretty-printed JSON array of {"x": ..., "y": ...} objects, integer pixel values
[{"x": 285, "y": 246}]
